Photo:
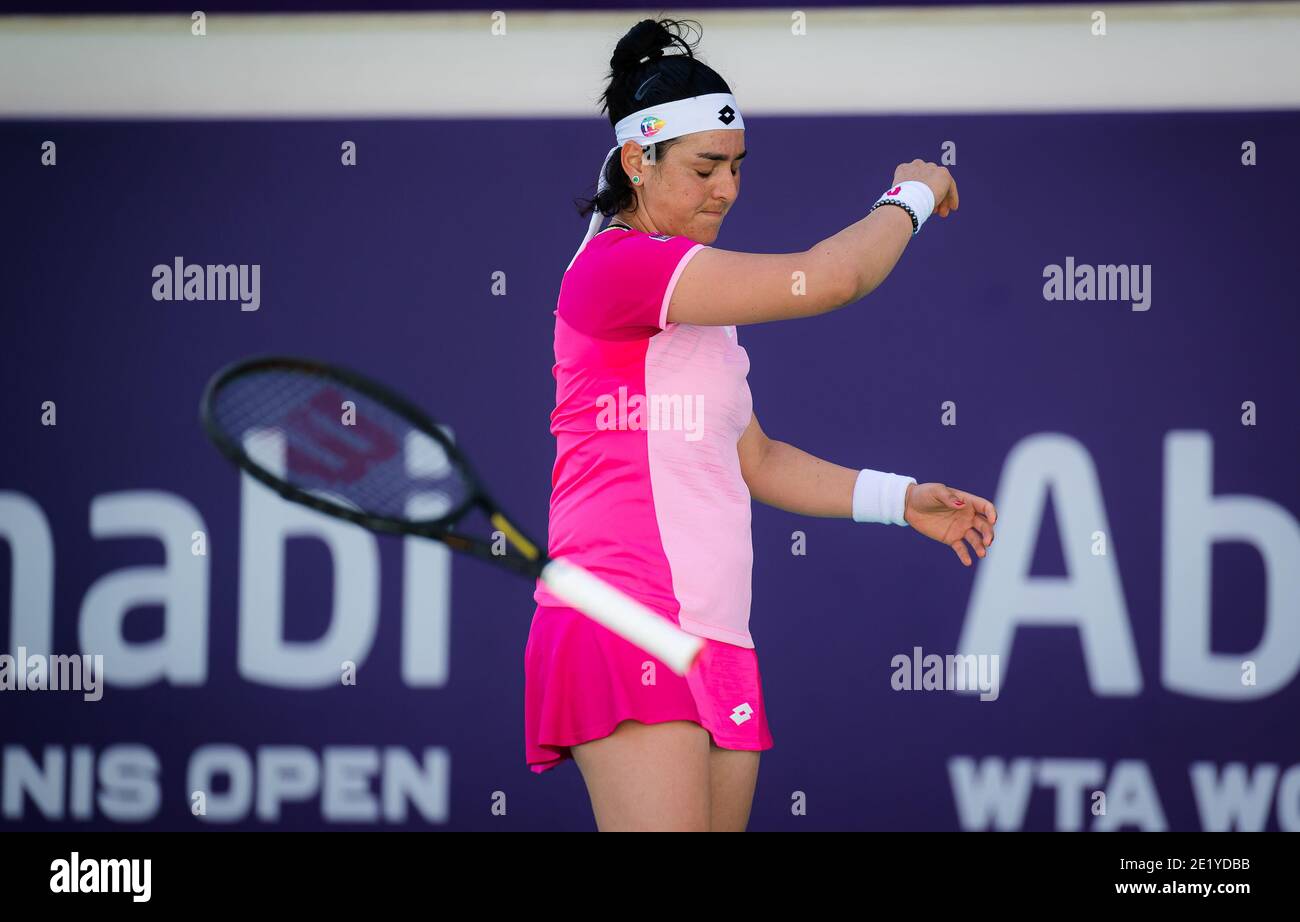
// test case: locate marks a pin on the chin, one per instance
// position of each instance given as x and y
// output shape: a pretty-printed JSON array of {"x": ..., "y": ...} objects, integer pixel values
[{"x": 708, "y": 231}]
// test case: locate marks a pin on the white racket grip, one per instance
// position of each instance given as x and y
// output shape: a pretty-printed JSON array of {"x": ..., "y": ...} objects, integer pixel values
[{"x": 626, "y": 617}]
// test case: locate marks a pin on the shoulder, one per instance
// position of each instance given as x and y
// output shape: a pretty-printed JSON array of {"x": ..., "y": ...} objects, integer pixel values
[
  {"x": 620, "y": 243},
  {"x": 620, "y": 284},
  {"x": 640, "y": 255}
]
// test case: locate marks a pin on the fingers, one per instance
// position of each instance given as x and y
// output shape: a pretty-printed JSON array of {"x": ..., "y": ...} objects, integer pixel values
[
  {"x": 981, "y": 505},
  {"x": 950, "y": 201},
  {"x": 977, "y": 542},
  {"x": 979, "y": 535},
  {"x": 938, "y": 178}
]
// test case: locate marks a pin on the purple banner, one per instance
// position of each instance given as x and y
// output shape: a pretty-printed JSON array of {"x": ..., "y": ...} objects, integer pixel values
[{"x": 1102, "y": 340}]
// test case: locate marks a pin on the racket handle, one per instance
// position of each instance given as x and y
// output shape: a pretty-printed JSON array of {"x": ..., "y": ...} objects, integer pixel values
[{"x": 626, "y": 617}]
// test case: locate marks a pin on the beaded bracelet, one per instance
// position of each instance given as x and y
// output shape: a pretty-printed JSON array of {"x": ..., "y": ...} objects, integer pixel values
[
  {"x": 903, "y": 205},
  {"x": 914, "y": 197}
]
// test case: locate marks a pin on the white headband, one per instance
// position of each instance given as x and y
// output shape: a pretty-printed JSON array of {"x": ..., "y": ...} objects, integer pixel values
[{"x": 710, "y": 112}]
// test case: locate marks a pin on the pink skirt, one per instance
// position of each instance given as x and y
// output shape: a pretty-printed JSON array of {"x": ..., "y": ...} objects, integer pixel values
[{"x": 581, "y": 681}]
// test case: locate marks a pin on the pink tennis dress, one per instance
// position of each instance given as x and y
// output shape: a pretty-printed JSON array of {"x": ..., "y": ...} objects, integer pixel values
[{"x": 647, "y": 494}]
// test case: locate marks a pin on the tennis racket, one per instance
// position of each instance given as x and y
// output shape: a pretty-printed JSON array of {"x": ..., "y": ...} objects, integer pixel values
[{"x": 341, "y": 444}]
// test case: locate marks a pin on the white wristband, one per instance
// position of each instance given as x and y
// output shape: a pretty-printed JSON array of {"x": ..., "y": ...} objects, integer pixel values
[
  {"x": 880, "y": 497},
  {"x": 916, "y": 196}
]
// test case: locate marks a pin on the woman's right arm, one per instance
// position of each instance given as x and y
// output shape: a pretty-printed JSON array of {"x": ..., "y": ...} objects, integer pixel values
[{"x": 723, "y": 287}]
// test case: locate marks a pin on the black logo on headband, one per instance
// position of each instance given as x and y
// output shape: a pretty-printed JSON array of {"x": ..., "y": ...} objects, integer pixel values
[
  {"x": 640, "y": 91},
  {"x": 726, "y": 115}
]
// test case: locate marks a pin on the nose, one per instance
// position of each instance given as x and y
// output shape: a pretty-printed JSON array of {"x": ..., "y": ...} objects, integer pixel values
[{"x": 725, "y": 195}]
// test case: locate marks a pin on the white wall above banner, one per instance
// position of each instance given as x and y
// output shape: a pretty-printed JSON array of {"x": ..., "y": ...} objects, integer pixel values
[{"x": 1056, "y": 58}]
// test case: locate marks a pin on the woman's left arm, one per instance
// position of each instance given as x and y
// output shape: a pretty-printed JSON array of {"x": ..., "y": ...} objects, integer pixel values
[{"x": 789, "y": 478}]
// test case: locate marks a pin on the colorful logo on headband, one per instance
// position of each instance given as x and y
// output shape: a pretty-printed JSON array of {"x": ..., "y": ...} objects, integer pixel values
[{"x": 651, "y": 126}]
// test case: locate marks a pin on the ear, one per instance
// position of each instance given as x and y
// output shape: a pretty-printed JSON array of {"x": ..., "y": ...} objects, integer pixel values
[{"x": 633, "y": 159}]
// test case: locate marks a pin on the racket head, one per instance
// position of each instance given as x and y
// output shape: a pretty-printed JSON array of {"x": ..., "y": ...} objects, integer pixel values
[{"x": 282, "y": 419}]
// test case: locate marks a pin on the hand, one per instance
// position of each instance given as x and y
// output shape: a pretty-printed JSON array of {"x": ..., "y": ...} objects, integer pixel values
[
  {"x": 937, "y": 178},
  {"x": 951, "y": 516}
]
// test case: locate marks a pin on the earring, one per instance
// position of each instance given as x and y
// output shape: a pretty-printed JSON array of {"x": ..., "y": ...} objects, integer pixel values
[{"x": 636, "y": 179}]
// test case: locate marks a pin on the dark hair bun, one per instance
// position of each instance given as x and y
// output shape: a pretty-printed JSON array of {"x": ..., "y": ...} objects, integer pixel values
[
  {"x": 633, "y": 86},
  {"x": 647, "y": 40}
]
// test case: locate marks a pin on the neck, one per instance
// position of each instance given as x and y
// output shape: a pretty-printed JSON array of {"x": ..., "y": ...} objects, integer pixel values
[{"x": 634, "y": 222}]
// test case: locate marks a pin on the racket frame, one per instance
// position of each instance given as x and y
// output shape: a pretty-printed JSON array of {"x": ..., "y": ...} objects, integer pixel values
[
  {"x": 598, "y": 600},
  {"x": 438, "y": 529}
]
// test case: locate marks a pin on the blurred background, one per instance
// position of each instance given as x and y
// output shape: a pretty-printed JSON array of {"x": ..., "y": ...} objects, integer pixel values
[{"x": 405, "y": 183}]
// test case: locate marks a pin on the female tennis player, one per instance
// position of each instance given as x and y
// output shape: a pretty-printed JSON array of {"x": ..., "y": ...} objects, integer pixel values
[{"x": 658, "y": 451}]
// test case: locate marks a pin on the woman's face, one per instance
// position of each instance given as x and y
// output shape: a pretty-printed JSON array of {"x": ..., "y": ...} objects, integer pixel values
[{"x": 689, "y": 191}]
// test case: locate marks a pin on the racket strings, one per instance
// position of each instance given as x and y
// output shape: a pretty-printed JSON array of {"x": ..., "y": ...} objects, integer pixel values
[{"x": 368, "y": 457}]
